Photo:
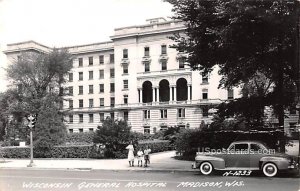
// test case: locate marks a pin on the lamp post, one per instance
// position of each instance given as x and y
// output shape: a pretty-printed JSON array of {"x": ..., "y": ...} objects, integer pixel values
[{"x": 31, "y": 120}]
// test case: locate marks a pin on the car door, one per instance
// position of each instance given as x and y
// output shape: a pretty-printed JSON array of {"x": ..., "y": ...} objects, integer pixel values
[
  {"x": 257, "y": 151},
  {"x": 238, "y": 156}
]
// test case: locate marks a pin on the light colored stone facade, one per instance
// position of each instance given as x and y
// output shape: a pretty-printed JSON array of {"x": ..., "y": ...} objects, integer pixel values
[{"x": 169, "y": 94}]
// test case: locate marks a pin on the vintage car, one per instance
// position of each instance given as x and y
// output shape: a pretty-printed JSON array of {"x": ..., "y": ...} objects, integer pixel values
[{"x": 244, "y": 155}]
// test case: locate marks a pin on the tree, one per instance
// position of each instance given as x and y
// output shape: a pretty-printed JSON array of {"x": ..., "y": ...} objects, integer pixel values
[
  {"x": 115, "y": 135},
  {"x": 40, "y": 78},
  {"x": 243, "y": 38}
]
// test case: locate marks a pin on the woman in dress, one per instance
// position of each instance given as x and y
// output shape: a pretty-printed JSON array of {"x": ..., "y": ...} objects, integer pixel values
[{"x": 130, "y": 154}]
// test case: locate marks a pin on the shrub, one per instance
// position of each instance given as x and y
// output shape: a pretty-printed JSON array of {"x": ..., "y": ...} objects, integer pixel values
[
  {"x": 15, "y": 152},
  {"x": 155, "y": 145},
  {"x": 189, "y": 142},
  {"x": 80, "y": 138}
]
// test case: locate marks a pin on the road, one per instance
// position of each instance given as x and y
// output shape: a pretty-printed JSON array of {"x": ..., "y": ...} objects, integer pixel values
[{"x": 61, "y": 180}]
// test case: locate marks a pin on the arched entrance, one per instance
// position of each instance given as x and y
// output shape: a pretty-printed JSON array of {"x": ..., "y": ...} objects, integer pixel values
[
  {"x": 164, "y": 91},
  {"x": 181, "y": 87},
  {"x": 147, "y": 92}
]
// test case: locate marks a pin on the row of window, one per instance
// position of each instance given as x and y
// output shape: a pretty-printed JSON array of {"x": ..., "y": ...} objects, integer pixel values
[
  {"x": 91, "y": 88},
  {"x": 101, "y": 60},
  {"x": 91, "y": 75},
  {"x": 163, "y": 115},
  {"x": 91, "y": 117}
]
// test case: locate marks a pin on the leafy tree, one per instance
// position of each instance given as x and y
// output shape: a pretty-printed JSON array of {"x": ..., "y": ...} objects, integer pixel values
[
  {"x": 243, "y": 38},
  {"x": 115, "y": 135},
  {"x": 40, "y": 78}
]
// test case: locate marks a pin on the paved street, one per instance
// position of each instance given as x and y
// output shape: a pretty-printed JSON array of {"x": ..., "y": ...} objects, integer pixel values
[{"x": 33, "y": 180}]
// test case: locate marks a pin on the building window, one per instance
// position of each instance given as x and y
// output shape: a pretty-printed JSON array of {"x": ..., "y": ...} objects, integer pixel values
[
  {"x": 181, "y": 63},
  {"x": 81, "y": 103},
  {"x": 80, "y": 130},
  {"x": 147, "y": 51},
  {"x": 70, "y": 130},
  {"x": 101, "y": 74},
  {"x": 101, "y": 117},
  {"x": 163, "y": 64},
  {"x": 147, "y": 130},
  {"x": 91, "y": 61},
  {"x": 125, "y": 97},
  {"x": 163, "y": 49},
  {"x": 80, "y": 76},
  {"x": 111, "y": 58},
  {"x": 70, "y": 77},
  {"x": 80, "y": 62},
  {"x": 101, "y": 102},
  {"x": 181, "y": 113},
  {"x": 230, "y": 94},
  {"x": 112, "y": 73},
  {"x": 163, "y": 128},
  {"x": 80, "y": 90},
  {"x": 293, "y": 126},
  {"x": 205, "y": 111},
  {"x": 112, "y": 116},
  {"x": 70, "y": 90},
  {"x": 204, "y": 77},
  {"x": 154, "y": 130},
  {"x": 125, "y": 84},
  {"x": 91, "y": 103},
  {"x": 163, "y": 113},
  {"x": 70, "y": 118},
  {"x": 80, "y": 118},
  {"x": 101, "y": 59},
  {"x": 101, "y": 87},
  {"x": 112, "y": 87},
  {"x": 91, "y": 75},
  {"x": 125, "y": 53},
  {"x": 125, "y": 68},
  {"x": 125, "y": 115},
  {"x": 91, "y": 118},
  {"x": 204, "y": 94},
  {"x": 70, "y": 104},
  {"x": 91, "y": 89},
  {"x": 146, "y": 114},
  {"x": 147, "y": 66},
  {"x": 112, "y": 101}
]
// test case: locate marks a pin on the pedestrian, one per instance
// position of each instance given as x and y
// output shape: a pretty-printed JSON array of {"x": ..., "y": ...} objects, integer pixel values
[
  {"x": 146, "y": 156},
  {"x": 130, "y": 154},
  {"x": 140, "y": 154}
]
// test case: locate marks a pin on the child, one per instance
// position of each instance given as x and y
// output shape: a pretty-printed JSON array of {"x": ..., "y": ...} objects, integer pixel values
[
  {"x": 146, "y": 156},
  {"x": 140, "y": 154}
]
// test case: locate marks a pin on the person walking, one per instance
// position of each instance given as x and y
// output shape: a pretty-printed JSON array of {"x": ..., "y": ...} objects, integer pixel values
[
  {"x": 140, "y": 154},
  {"x": 130, "y": 154},
  {"x": 146, "y": 156}
]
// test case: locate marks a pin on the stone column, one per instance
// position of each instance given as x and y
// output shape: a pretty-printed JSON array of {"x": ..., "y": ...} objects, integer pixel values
[
  {"x": 171, "y": 94},
  {"x": 141, "y": 95},
  {"x": 175, "y": 92},
  {"x": 153, "y": 94},
  {"x": 157, "y": 93},
  {"x": 189, "y": 92}
]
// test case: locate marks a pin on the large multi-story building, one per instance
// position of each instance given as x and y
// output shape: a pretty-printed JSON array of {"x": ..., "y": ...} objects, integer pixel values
[{"x": 136, "y": 77}]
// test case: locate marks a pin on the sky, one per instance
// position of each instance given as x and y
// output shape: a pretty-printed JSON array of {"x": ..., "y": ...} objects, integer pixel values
[{"x": 58, "y": 23}]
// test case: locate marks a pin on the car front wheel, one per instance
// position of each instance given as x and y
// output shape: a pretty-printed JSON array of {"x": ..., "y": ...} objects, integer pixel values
[
  {"x": 206, "y": 168},
  {"x": 270, "y": 169}
]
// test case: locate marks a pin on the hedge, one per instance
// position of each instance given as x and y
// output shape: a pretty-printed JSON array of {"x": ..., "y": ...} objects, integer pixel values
[{"x": 80, "y": 151}]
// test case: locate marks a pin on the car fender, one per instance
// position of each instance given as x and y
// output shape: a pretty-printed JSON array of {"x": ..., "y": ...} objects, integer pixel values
[
  {"x": 217, "y": 162},
  {"x": 281, "y": 162}
]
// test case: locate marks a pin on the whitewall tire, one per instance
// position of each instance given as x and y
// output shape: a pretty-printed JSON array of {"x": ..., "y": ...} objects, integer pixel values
[
  {"x": 206, "y": 168},
  {"x": 270, "y": 169}
]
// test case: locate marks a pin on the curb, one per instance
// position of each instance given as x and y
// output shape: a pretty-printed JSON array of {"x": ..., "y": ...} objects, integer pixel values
[{"x": 91, "y": 169}]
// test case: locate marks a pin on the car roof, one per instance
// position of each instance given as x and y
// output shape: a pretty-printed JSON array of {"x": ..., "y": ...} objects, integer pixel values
[{"x": 249, "y": 141}]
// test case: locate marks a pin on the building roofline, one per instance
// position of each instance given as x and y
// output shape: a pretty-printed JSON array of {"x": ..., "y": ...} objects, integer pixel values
[{"x": 29, "y": 41}]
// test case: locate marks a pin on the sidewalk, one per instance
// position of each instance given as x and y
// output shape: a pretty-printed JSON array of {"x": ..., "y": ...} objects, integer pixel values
[{"x": 159, "y": 162}]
